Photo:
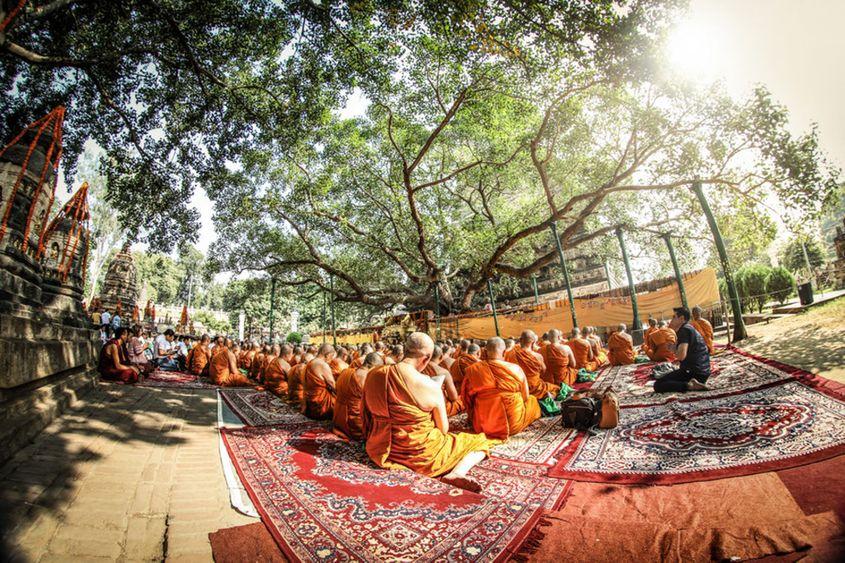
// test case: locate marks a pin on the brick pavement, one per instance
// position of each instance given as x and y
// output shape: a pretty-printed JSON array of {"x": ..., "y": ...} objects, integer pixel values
[{"x": 128, "y": 474}]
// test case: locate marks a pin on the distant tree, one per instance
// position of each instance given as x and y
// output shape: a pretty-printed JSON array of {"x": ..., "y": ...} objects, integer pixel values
[
  {"x": 294, "y": 337},
  {"x": 212, "y": 324},
  {"x": 161, "y": 275},
  {"x": 780, "y": 284},
  {"x": 792, "y": 255},
  {"x": 751, "y": 281}
]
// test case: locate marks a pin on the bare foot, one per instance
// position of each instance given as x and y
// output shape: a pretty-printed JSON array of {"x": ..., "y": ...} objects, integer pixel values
[
  {"x": 696, "y": 385},
  {"x": 462, "y": 482}
]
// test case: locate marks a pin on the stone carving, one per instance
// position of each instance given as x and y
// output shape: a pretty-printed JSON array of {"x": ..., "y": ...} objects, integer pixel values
[{"x": 120, "y": 283}]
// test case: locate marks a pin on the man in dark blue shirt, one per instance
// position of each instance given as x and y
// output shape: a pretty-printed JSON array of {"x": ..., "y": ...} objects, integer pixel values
[{"x": 692, "y": 352}]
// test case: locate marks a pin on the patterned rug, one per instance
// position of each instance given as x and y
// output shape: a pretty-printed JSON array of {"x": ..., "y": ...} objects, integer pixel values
[
  {"x": 176, "y": 379},
  {"x": 323, "y": 499},
  {"x": 732, "y": 372},
  {"x": 262, "y": 408},
  {"x": 536, "y": 444},
  {"x": 769, "y": 429}
]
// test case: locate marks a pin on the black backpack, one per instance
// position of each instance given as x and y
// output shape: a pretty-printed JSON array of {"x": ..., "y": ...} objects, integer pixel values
[{"x": 580, "y": 413}]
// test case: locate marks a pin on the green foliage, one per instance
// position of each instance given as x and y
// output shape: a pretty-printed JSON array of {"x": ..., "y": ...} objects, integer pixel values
[
  {"x": 780, "y": 284},
  {"x": 752, "y": 284},
  {"x": 792, "y": 255},
  {"x": 747, "y": 230},
  {"x": 294, "y": 337},
  {"x": 213, "y": 326}
]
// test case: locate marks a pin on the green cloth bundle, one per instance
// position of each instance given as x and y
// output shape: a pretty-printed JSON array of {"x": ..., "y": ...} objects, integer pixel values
[
  {"x": 565, "y": 392},
  {"x": 549, "y": 406},
  {"x": 585, "y": 376}
]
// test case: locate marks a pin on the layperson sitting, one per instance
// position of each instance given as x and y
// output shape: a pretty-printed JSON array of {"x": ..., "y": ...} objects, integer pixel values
[
  {"x": 466, "y": 359},
  {"x": 532, "y": 365},
  {"x": 350, "y": 387},
  {"x": 620, "y": 346},
  {"x": 199, "y": 357},
  {"x": 318, "y": 385},
  {"x": 277, "y": 370},
  {"x": 164, "y": 351},
  {"x": 114, "y": 364},
  {"x": 559, "y": 360},
  {"x": 693, "y": 354},
  {"x": 405, "y": 423},
  {"x": 703, "y": 326},
  {"x": 136, "y": 349},
  {"x": 661, "y": 344},
  {"x": 434, "y": 369},
  {"x": 496, "y": 395}
]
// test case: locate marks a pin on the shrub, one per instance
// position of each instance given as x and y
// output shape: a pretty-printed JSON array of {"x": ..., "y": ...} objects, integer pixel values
[
  {"x": 751, "y": 282},
  {"x": 294, "y": 338},
  {"x": 780, "y": 284}
]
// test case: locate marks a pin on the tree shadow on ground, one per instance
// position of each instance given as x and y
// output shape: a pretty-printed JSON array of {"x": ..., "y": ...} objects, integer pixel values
[
  {"x": 42, "y": 477},
  {"x": 808, "y": 347}
]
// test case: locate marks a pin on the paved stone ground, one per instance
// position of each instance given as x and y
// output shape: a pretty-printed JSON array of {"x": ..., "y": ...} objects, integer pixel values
[{"x": 128, "y": 474}]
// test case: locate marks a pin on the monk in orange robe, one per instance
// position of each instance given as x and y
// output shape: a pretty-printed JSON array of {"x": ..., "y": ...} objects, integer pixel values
[
  {"x": 703, "y": 326},
  {"x": 395, "y": 355},
  {"x": 114, "y": 364},
  {"x": 461, "y": 349},
  {"x": 296, "y": 377},
  {"x": 448, "y": 361},
  {"x": 338, "y": 363},
  {"x": 559, "y": 360},
  {"x": 582, "y": 350},
  {"x": 245, "y": 360},
  {"x": 532, "y": 365},
  {"x": 405, "y": 422},
  {"x": 223, "y": 369},
  {"x": 652, "y": 326},
  {"x": 496, "y": 395},
  {"x": 454, "y": 404},
  {"x": 598, "y": 347},
  {"x": 199, "y": 357},
  {"x": 318, "y": 385},
  {"x": 465, "y": 360},
  {"x": 257, "y": 362},
  {"x": 347, "y": 406},
  {"x": 620, "y": 347},
  {"x": 661, "y": 344},
  {"x": 277, "y": 369},
  {"x": 362, "y": 353}
]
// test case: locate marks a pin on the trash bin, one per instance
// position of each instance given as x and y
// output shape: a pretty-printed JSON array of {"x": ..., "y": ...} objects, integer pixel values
[{"x": 805, "y": 293}]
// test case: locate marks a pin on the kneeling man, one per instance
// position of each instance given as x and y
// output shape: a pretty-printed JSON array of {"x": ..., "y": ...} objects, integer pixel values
[{"x": 692, "y": 352}]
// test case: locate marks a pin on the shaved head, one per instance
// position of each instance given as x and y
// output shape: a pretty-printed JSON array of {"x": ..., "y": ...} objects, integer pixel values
[
  {"x": 473, "y": 349},
  {"x": 372, "y": 360},
  {"x": 276, "y": 350},
  {"x": 418, "y": 344},
  {"x": 652, "y": 321},
  {"x": 325, "y": 350},
  {"x": 622, "y": 327},
  {"x": 285, "y": 350},
  {"x": 436, "y": 354},
  {"x": 465, "y": 344},
  {"x": 495, "y": 347},
  {"x": 662, "y": 324},
  {"x": 527, "y": 338},
  {"x": 554, "y": 335}
]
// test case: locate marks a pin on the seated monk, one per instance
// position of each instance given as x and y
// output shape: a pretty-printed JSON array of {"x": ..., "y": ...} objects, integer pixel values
[
  {"x": 395, "y": 355},
  {"x": 359, "y": 361},
  {"x": 318, "y": 385},
  {"x": 532, "y": 366},
  {"x": 448, "y": 361},
  {"x": 496, "y": 395},
  {"x": 454, "y": 404},
  {"x": 338, "y": 363},
  {"x": 258, "y": 360},
  {"x": 247, "y": 357},
  {"x": 465, "y": 360},
  {"x": 347, "y": 405},
  {"x": 559, "y": 360},
  {"x": 583, "y": 351},
  {"x": 297, "y": 375},
  {"x": 620, "y": 347},
  {"x": 114, "y": 365},
  {"x": 661, "y": 344},
  {"x": 223, "y": 369},
  {"x": 510, "y": 343},
  {"x": 199, "y": 357},
  {"x": 703, "y": 326},
  {"x": 652, "y": 326},
  {"x": 381, "y": 349},
  {"x": 598, "y": 347},
  {"x": 276, "y": 371},
  {"x": 461, "y": 349},
  {"x": 297, "y": 355},
  {"x": 405, "y": 423}
]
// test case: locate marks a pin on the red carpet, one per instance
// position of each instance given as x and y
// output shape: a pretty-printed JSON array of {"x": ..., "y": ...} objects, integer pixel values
[
  {"x": 321, "y": 498},
  {"x": 819, "y": 487},
  {"x": 177, "y": 380},
  {"x": 251, "y": 542}
]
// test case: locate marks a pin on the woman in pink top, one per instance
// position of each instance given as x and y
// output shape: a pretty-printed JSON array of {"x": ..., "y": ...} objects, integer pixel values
[{"x": 135, "y": 348}]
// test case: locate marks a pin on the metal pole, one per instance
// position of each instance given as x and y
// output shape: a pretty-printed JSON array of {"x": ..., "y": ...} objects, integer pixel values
[
  {"x": 272, "y": 307},
  {"x": 631, "y": 287},
  {"x": 739, "y": 323},
  {"x": 437, "y": 310},
  {"x": 536, "y": 293},
  {"x": 493, "y": 304},
  {"x": 323, "y": 318},
  {"x": 565, "y": 274},
  {"x": 668, "y": 238},
  {"x": 334, "y": 334}
]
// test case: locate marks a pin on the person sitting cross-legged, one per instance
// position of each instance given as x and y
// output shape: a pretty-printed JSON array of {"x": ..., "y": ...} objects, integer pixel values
[
  {"x": 223, "y": 369},
  {"x": 114, "y": 364},
  {"x": 297, "y": 375},
  {"x": 692, "y": 352},
  {"x": 620, "y": 347},
  {"x": 496, "y": 395},
  {"x": 165, "y": 351},
  {"x": 583, "y": 351},
  {"x": 318, "y": 385},
  {"x": 559, "y": 360},
  {"x": 454, "y": 404},
  {"x": 277, "y": 370},
  {"x": 199, "y": 357},
  {"x": 347, "y": 406},
  {"x": 703, "y": 326},
  {"x": 532, "y": 365},
  {"x": 466, "y": 359},
  {"x": 661, "y": 343},
  {"x": 405, "y": 423}
]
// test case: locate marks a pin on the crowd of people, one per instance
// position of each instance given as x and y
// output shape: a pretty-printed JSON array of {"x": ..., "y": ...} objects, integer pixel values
[{"x": 398, "y": 398}]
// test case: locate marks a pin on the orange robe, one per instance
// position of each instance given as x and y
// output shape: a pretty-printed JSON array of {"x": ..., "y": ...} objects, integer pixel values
[
  {"x": 648, "y": 332},
  {"x": 705, "y": 329},
  {"x": 452, "y": 407},
  {"x": 581, "y": 350},
  {"x": 245, "y": 360},
  {"x": 295, "y": 383},
  {"x": 599, "y": 354},
  {"x": 357, "y": 362},
  {"x": 337, "y": 366},
  {"x": 661, "y": 345},
  {"x": 558, "y": 369},
  {"x": 257, "y": 367},
  {"x": 400, "y": 435},
  {"x": 347, "y": 406},
  {"x": 276, "y": 376},
  {"x": 458, "y": 368},
  {"x": 620, "y": 349},
  {"x": 492, "y": 393},
  {"x": 197, "y": 360},
  {"x": 221, "y": 373},
  {"x": 533, "y": 369},
  {"x": 317, "y": 398}
]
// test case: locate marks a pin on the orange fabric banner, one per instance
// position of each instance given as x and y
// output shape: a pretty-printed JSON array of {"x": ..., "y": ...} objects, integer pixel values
[{"x": 701, "y": 289}]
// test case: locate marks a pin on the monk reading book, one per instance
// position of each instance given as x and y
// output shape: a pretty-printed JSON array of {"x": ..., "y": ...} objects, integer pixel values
[
  {"x": 532, "y": 365},
  {"x": 347, "y": 407},
  {"x": 620, "y": 347},
  {"x": 496, "y": 395},
  {"x": 405, "y": 422}
]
